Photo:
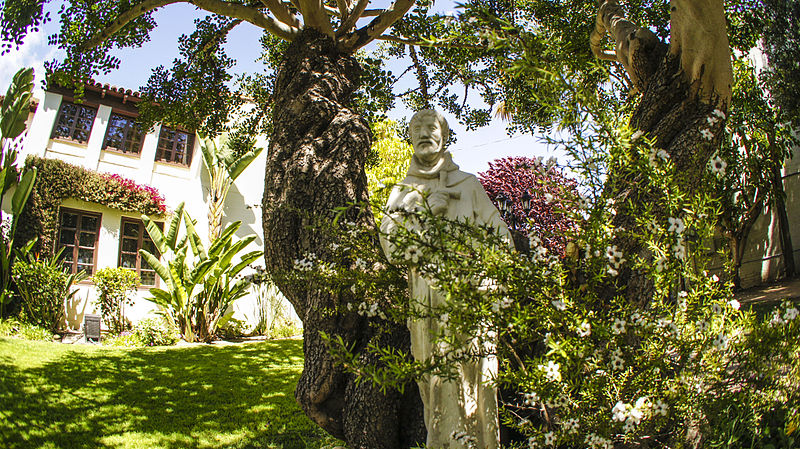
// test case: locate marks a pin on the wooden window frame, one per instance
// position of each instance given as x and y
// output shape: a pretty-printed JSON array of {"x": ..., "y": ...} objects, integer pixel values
[
  {"x": 70, "y": 137},
  {"x": 143, "y": 230},
  {"x": 76, "y": 241},
  {"x": 128, "y": 129},
  {"x": 187, "y": 159}
]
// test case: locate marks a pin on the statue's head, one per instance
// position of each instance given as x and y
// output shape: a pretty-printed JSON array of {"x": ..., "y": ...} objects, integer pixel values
[{"x": 429, "y": 132}]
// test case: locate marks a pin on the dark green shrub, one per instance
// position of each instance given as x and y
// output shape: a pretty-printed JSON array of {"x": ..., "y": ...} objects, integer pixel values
[
  {"x": 113, "y": 290},
  {"x": 155, "y": 332},
  {"x": 43, "y": 288}
]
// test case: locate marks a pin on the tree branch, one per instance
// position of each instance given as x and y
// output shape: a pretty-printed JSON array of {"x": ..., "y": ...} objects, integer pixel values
[
  {"x": 282, "y": 13},
  {"x": 378, "y": 25},
  {"x": 350, "y": 21},
  {"x": 634, "y": 44},
  {"x": 422, "y": 76},
  {"x": 417, "y": 43},
  {"x": 233, "y": 10},
  {"x": 213, "y": 41},
  {"x": 315, "y": 16},
  {"x": 698, "y": 33},
  {"x": 343, "y": 7}
]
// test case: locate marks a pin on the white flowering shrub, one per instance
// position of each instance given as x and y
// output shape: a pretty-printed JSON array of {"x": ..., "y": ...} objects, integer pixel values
[{"x": 581, "y": 366}]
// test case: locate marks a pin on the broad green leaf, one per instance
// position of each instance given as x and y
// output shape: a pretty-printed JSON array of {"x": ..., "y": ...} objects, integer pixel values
[
  {"x": 194, "y": 237},
  {"x": 224, "y": 238},
  {"x": 240, "y": 165},
  {"x": 161, "y": 297},
  {"x": 174, "y": 225},
  {"x": 159, "y": 268},
  {"x": 23, "y": 192},
  {"x": 201, "y": 270},
  {"x": 247, "y": 259},
  {"x": 155, "y": 234}
]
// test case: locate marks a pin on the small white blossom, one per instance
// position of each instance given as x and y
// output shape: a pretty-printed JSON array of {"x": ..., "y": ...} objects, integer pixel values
[
  {"x": 551, "y": 371},
  {"x": 702, "y": 326},
  {"x": 502, "y": 303},
  {"x": 361, "y": 264},
  {"x": 676, "y": 225},
  {"x": 617, "y": 363},
  {"x": 790, "y": 314},
  {"x": 571, "y": 425},
  {"x": 679, "y": 250},
  {"x": 548, "y": 198},
  {"x": 549, "y": 438},
  {"x": 721, "y": 342},
  {"x": 612, "y": 272},
  {"x": 412, "y": 254},
  {"x": 306, "y": 263},
  {"x": 369, "y": 310},
  {"x": 620, "y": 411},
  {"x": 776, "y": 318},
  {"x": 618, "y": 327},
  {"x": 660, "y": 408},
  {"x": 558, "y": 304},
  {"x": 531, "y": 399},
  {"x": 585, "y": 330},
  {"x": 734, "y": 304},
  {"x": 706, "y": 134},
  {"x": 712, "y": 120},
  {"x": 583, "y": 202},
  {"x": 614, "y": 256},
  {"x": 718, "y": 166},
  {"x": 719, "y": 114}
]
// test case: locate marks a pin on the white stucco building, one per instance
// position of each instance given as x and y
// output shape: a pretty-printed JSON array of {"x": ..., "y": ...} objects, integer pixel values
[{"x": 99, "y": 134}]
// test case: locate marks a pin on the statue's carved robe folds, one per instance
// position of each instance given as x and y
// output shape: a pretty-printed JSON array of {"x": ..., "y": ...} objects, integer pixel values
[{"x": 468, "y": 405}]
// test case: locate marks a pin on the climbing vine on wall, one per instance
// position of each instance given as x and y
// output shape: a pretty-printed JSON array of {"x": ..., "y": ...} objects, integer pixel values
[{"x": 58, "y": 180}]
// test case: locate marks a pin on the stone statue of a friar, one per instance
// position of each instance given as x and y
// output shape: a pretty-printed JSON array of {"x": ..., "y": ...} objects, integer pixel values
[{"x": 459, "y": 413}]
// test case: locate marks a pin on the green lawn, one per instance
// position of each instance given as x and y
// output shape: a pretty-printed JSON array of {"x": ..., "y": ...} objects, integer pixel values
[{"x": 83, "y": 396}]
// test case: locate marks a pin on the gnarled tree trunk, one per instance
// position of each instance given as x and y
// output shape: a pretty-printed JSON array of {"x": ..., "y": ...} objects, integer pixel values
[
  {"x": 681, "y": 85},
  {"x": 316, "y": 163}
]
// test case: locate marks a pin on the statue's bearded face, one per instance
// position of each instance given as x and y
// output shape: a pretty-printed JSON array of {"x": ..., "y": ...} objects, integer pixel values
[{"x": 426, "y": 137}]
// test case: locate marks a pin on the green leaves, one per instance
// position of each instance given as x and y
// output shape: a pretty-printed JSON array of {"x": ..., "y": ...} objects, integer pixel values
[
  {"x": 198, "y": 288},
  {"x": 24, "y": 189},
  {"x": 16, "y": 104}
]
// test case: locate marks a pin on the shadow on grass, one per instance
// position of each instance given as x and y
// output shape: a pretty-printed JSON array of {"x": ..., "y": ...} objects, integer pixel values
[{"x": 238, "y": 396}]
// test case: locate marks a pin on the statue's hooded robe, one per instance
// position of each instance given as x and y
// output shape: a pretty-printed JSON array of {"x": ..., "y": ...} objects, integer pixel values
[{"x": 468, "y": 405}]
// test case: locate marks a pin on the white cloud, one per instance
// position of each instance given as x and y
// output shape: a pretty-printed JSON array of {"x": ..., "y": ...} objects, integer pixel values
[{"x": 33, "y": 53}]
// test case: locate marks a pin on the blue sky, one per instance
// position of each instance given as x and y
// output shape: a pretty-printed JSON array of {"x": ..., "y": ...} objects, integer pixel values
[{"x": 472, "y": 152}]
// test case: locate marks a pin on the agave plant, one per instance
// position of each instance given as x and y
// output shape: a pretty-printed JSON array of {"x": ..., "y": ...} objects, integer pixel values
[{"x": 199, "y": 286}]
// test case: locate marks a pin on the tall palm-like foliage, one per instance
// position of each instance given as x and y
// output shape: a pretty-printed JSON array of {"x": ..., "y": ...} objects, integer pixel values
[
  {"x": 13, "y": 114},
  {"x": 200, "y": 287},
  {"x": 224, "y": 166}
]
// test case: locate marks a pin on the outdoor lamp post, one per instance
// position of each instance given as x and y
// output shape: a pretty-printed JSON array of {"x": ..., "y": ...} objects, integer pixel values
[{"x": 526, "y": 202}]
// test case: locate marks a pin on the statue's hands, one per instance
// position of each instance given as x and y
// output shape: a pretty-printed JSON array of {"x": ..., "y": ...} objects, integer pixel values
[{"x": 437, "y": 201}]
